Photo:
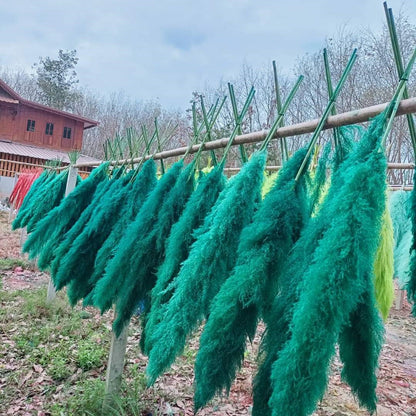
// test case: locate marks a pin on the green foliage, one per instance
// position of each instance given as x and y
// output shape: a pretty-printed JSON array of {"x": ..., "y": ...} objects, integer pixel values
[
  {"x": 10, "y": 264},
  {"x": 87, "y": 399},
  {"x": 253, "y": 284},
  {"x": 210, "y": 261},
  {"x": 59, "y": 369},
  {"x": 56, "y": 79},
  {"x": 90, "y": 355},
  {"x": 334, "y": 285},
  {"x": 180, "y": 241}
]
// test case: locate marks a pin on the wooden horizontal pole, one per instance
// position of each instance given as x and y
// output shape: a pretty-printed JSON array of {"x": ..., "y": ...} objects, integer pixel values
[
  {"x": 391, "y": 165},
  {"x": 351, "y": 117}
]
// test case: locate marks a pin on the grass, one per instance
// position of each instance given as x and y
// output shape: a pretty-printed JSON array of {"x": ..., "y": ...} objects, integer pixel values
[
  {"x": 11, "y": 264},
  {"x": 64, "y": 350},
  {"x": 54, "y": 357}
]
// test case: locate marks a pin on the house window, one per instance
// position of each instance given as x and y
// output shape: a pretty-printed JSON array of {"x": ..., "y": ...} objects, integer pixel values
[
  {"x": 49, "y": 129},
  {"x": 67, "y": 132},
  {"x": 30, "y": 125}
]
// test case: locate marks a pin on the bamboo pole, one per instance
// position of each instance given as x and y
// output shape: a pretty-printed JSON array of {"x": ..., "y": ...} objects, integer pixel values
[
  {"x": 343, "y": 119},
  {"x": 275, "y": 168}
]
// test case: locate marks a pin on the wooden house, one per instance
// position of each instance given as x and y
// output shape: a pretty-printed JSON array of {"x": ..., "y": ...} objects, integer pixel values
[{"x": 32, "y": 133}]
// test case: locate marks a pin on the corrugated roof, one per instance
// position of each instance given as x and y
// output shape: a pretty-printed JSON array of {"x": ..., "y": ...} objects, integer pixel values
[{"x": 40, "y": 152}]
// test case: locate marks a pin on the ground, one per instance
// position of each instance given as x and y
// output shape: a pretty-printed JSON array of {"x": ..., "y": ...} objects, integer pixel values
[{"x": 53, "y": 358}]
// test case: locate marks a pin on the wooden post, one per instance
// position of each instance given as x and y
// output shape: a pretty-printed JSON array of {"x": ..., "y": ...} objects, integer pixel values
[
  {"x": 70, "y": 185},
  {"x": 115, "y": 368}
]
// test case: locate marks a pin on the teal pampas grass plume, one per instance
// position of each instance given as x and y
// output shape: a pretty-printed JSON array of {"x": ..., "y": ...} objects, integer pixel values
[
  {"x": 70, "y": 236},
  {"x": 150, "y": 249},
  {"x": 278, "y": 321},
  {"x": 123, "y": 265},
  {"x": 78, "y": 264},
  {"x": 249, "y": 291},
  {"x": 50, "y": 230},
  {"x": 360, "y": 343},
  {"x": 180, "y": 240},
  {"x": 400, "y": 202},
  {"x": 334, "y": 284},
  {"x": 210, "y": 260},
  {"x": 48, "y": 197},
  {"x": 411, "y": 284},
  {"x": 143, "y": 184}
]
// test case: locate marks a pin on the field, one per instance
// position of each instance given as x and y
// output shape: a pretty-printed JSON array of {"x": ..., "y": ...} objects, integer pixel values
[{"x": 53, "y": 358}]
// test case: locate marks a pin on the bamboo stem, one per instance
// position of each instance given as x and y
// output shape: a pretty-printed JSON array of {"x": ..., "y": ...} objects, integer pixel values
[
  {"x": 243, "y": 153},
  {"x": 283, "y": 142},
  {"x": 281, "y": 114},
  {"x": 237, "y": 126},
  {"x": 330, "y": 93},
  {"x": 327, "y": 112},
  {"x": 399, "y": 65}
]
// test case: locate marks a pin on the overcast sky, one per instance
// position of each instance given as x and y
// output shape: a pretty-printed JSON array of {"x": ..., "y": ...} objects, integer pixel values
[{"x": 164, "y": 49}]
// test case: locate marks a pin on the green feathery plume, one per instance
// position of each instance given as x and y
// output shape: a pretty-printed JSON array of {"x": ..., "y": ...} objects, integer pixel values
[
  {"x": 317, "y": 185},
  {"x": 211, "y": 259},
  {"x": 402, "y": 230},
  {"x": 150, "y": 249},
  {"x": 122, "y": 267},
  {"x": 383, "y": 266},
  {"x": 30, "y": 197},
  {"x": 411, "y": 284},
  {"x": 143, "y": 184},
  {"x": 360, "y": 344},
  {"x": 249, "y": 291},
  {"x": 277, "y": 330},
  {"x": 48, "y": 197},
  {"x": 180, "y": 240},
  {"x": 335, "y": 282},
  {"x": 57, "y": 222},
  {"x": 77, "y": 265},
  {"x": 70, "y": 236}
]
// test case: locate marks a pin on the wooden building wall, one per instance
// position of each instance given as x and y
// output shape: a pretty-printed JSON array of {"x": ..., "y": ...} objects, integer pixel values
[{"x": 13, "y": 126}]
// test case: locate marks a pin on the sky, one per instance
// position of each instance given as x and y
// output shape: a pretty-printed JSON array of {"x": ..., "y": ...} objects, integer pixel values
[{"x": 163, "y": 50}]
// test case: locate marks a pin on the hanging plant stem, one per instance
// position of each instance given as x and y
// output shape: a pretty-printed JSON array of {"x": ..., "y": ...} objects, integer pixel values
[
  {"x": 283, "y": 142},
  {"x": 243, "y": 152},
  {"x": 328, "y": 110}
]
